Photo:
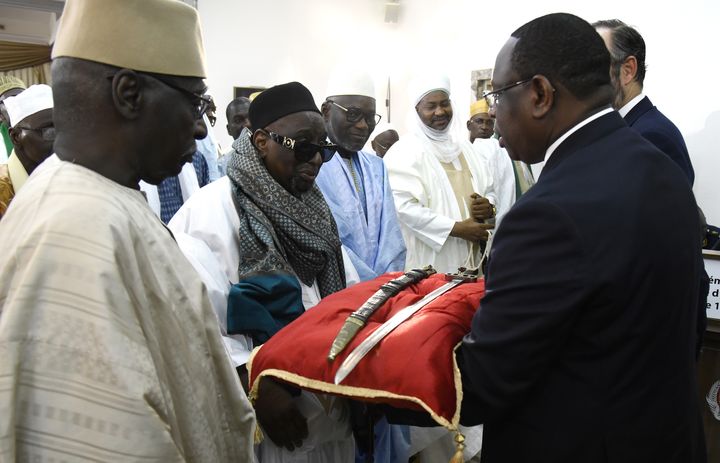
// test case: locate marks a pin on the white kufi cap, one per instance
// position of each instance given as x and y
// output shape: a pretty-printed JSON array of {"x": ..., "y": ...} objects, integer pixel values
[
  {"x": 33, "y": 100},
  {"x": 346, "y": 80}
]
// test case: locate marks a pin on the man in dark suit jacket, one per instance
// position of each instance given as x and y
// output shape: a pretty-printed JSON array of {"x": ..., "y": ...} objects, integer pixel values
[
  {"x": 627, "y": 73},
  {"x": 583, "y": 349}
]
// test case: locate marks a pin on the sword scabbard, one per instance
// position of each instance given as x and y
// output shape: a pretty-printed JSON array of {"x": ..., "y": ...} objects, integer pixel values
[{"x": 348, "y": 331}]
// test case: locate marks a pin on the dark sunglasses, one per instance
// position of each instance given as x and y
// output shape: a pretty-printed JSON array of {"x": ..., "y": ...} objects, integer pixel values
[{"x": 304, "y": 151}]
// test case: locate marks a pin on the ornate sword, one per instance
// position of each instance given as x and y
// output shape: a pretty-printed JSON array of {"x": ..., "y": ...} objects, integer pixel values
[
  {"x": 396, "y": 320},
  {"x": 358, "y": 319}
]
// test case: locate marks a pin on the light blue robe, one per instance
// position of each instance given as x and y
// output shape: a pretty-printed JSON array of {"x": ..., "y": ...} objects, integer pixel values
[
  {"x": 370, "y": 231},
  {"x": 375, "y": 244}
]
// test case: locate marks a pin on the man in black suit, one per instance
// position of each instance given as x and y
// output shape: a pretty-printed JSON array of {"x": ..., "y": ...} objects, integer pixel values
[
  {"x": 627, "y": 74},
  {"x": 583, "y": 349}
]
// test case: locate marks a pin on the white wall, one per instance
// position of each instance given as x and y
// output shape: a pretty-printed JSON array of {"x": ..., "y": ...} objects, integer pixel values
[{"x": 274, "y": 41}]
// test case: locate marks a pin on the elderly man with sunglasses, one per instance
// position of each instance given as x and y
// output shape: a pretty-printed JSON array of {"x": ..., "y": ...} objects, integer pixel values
[
  {"x": 267, "y": 246},
  {"x": 32, "y": 133}
]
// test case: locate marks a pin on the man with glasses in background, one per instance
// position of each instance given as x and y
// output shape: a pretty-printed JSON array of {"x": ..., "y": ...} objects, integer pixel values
[
  {"x": 355, "y": 183},
  {"x": 355, "y": 186},
  {"x": 32, "y": 134}
]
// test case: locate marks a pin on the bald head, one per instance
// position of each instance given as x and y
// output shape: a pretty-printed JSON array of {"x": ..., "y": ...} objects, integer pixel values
[{"x": 384, "y": 141}]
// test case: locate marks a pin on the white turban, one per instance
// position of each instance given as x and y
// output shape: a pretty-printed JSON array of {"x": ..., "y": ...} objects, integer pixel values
[
  {"x": 33, "y": 100},
  {"x": 425, "y": 83},
  {"x": 349, "y": 80},
  {"x": 446, "y": 145}
]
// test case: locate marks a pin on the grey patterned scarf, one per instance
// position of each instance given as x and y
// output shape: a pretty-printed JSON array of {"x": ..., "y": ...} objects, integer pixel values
[{"x": 279, "y": 232}]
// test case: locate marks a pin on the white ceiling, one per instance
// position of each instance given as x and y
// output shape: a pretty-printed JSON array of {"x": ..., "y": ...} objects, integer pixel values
[{"x": 29, "y": 21}]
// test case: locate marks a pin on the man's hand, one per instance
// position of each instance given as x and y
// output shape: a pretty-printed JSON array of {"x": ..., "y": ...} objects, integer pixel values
[
  {"x": 279, "y": 417},
  {"x": 471, "y": 230},
  {"x": 480, "y": 208}
]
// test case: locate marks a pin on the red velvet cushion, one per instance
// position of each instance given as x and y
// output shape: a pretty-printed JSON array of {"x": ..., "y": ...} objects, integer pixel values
[{"x": 413, "y": 367}]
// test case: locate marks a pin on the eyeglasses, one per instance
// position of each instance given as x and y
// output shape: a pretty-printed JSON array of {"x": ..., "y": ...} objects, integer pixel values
[
  {"x": 201, "y": 103},
  {"x": 304, "y": 151},
  {"x": 493, "y": 98},
  {"x": 47, "y": 133},
  {"x": 354, "y": 115}
]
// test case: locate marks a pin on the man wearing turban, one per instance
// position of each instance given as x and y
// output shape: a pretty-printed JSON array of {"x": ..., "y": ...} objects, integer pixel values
[{"x": 444, "y": 191}]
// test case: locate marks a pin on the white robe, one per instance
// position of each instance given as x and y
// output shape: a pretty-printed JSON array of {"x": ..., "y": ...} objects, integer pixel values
[
  {"x": 210, "y": 224},
  {"x": 110, "y": 347},
  {"x": 501, "y": 167},
  {"x": 426, "y": 203}
]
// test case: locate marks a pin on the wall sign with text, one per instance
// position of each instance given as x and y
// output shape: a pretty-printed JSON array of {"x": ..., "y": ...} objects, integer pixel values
[{"x": 712, "y": 267}]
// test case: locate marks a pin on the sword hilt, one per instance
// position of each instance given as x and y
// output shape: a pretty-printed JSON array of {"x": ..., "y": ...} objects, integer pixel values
[{"x": 464, "y": 274}]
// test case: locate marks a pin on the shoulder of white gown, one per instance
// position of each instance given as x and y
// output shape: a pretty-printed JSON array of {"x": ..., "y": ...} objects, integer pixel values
[{"x": 209, "y": 201}]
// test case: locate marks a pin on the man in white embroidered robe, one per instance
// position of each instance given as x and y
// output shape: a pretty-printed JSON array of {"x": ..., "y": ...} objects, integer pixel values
[
  {"x": 109, "y": 345},
  {"x": 442, "y": 187}
]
